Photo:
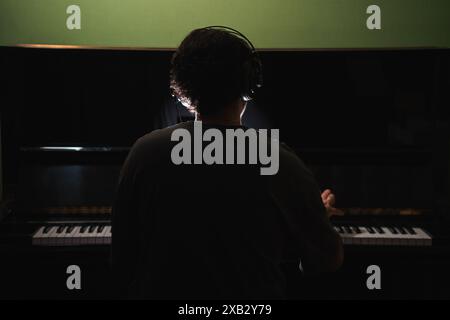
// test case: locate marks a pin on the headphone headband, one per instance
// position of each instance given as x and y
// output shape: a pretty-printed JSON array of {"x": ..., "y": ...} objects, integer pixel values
[{"x": 236, "y": 32}]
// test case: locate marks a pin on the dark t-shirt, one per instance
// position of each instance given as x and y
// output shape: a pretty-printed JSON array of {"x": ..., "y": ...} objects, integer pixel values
[{"x": 213, "y": 231}]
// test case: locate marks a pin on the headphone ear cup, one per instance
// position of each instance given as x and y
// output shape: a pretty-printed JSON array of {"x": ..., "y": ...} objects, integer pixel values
[
  {"x": 253, "y": 77},
  {"x": 258, "y": 72}
]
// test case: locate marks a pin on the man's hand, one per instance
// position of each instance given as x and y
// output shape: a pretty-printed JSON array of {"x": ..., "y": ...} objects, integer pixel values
[{"x": 329, "y": 200}]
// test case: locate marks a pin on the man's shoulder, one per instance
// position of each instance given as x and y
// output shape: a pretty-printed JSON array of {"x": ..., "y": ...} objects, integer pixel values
[
  {"x": 156, "y": 144},
  {"x": 289, "y": 156},
  {"x": 161, "y": 135},
  {"x": 290, "y": 162}
]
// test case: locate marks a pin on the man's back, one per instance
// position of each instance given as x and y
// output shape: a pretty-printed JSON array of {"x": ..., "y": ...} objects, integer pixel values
[{"x": 200, "y": 231}]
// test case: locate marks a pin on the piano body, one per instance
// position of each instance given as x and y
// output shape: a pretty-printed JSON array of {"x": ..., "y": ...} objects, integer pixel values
[{"x": 371, "y": 125}]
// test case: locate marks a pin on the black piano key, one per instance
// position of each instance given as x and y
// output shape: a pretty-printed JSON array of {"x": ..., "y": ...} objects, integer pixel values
[
  {"x": 83, "y": 228},
  {"x": 379, "y": 230},
  {"x": 348, "y": 229},
  {"x": 370, "y": 230},
  {"x": 357, "y": 229},
  {"x": 402, "y": 230},
  {"x": 70, "y": 229},
  {"x": 101, "y": 228},
  {"x": 393, "y": 230},
  {"x": 47, "y": 229},
  {"x": 92, "y": 228},
  {"x": 60, "y": 229},
  {"x": 410, "y": 230}
]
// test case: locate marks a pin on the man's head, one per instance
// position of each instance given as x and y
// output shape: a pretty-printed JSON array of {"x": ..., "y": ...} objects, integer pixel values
[{"x": 212, "y": 70}]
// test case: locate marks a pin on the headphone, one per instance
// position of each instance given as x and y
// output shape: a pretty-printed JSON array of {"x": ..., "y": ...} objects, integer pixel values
[{"x": 253, "y": 78}]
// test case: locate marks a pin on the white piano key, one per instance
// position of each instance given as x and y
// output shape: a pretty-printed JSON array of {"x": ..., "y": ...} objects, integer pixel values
[
  {"x": 90, "y": 236},
  {"x": 68, "y": 237},
  {"x": 37, "y": 236},
  {"x": 75, "y": 237},
  {"x": 386, "y": 237},
  {"x": 59, "y": 237},
  {"x": 83, "y": 239},
  {"x": 423, "y": 238},
  {"x": 97, "y": 235},
  {"x": 52, "y": 240},
  {"x": 101, "y": 236},
  {"x": 369, "y": 238},
  {"x": 47, "y": 238},
  {"x": 373, "y": 239},
  {"x": 108, "y": 235}
]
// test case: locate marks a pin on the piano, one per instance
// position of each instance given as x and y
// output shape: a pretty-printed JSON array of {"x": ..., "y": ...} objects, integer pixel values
[
  {"x": 98, "y": 233},
  {"x": 383, "y": 148},
  {"x": 57, "y": 234}
]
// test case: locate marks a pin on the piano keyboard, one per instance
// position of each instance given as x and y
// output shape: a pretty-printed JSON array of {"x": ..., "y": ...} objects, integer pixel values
[
  {"x": 72, "y": 235},
  {"x": 100, "y": 234},
  {"x": 383, "y": 236}
]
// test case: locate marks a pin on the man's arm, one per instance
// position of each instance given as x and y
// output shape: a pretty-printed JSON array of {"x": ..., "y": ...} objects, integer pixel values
[
  {"x": 298, "y": 196},
  {"x": 323, "y": 250}
]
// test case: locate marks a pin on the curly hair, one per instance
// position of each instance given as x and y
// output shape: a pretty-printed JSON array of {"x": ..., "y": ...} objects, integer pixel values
[{"x": 207, "y": 70}]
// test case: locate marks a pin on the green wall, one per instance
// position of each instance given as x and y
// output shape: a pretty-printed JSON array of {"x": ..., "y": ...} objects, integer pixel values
[
  {"x": 269, "y": 23},
  {"x": 1, "y": 168}
]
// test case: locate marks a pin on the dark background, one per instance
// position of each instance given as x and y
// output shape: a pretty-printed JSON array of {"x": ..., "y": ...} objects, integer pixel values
[{"x": 373, "y": 125}]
